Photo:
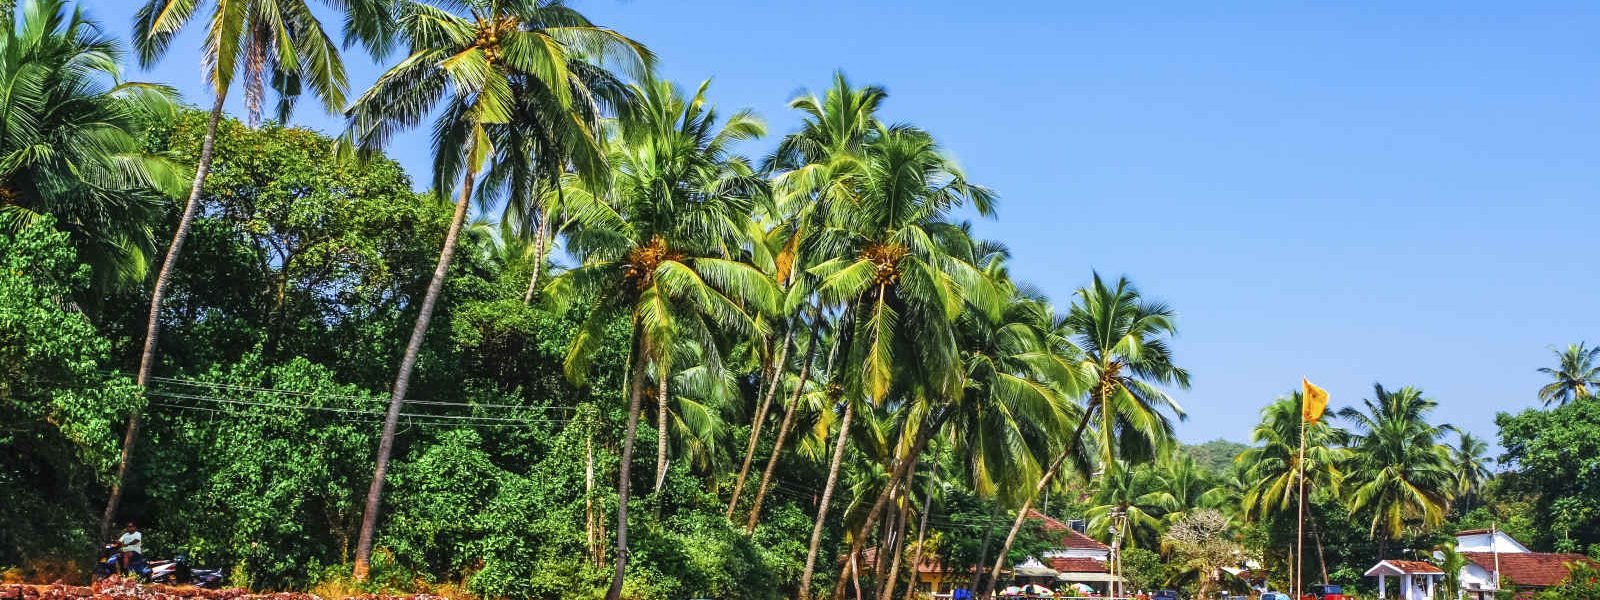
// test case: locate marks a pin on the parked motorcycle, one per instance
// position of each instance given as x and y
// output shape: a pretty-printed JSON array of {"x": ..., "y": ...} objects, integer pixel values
[
  {"x": 110, "y": 559},
  {"x": 178, "y": 571}
]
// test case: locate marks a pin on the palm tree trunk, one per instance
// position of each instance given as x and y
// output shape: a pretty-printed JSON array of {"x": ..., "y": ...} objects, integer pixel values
[
  {"x": 783, "y": 430},
  {"x": 661, "y": 428},
  {"x": 147, "y": 358},
  {"x": 827, "y": 495},
  {"x": 922, "y": 536},
  {"x": 885, "y": 543},
  {"x": 983, "y": 550},
  {"x": 1322, "y": 560},
  {"x": 539, "y": 240},
  {"x": 592, "y": 541},
  {"x": 1016, "y": 525},
  {"x": 886, "y": 585},
  {"x": 635, "y": 399},
  {"x": 402, "y": 380},
  {"x": 761, "y": 416},
  {"x": 1022, "y": 514},
  {"x": 902, "y": 467}
]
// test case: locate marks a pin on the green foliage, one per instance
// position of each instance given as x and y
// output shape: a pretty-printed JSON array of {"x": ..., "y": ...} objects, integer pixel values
[
  {"x": 57, "y": 408},
  {"x": 70, "y": 145},
  {"x": 1215, "y": 456},
  {"x": 1554, "y": 455},
  {"x": 1144, "y": 569}
]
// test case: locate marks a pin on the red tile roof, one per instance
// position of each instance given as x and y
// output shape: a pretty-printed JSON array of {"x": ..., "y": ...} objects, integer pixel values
[
  {"x": 1066, "y": 564},
  {"x": 1535, "y": 569},
  {"x": 1414, "y": 566},
  {"x": 1071, "y": 538}
]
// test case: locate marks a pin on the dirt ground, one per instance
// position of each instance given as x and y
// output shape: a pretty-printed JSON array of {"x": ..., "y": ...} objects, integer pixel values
[{"x": 122, "y": 589}]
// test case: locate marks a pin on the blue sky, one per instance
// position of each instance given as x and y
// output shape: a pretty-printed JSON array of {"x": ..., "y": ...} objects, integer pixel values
[{"x": 1404, "y": 193}]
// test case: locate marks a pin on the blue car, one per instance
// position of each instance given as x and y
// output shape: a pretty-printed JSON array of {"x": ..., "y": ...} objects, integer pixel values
[{"x": 1165, "y": 595}]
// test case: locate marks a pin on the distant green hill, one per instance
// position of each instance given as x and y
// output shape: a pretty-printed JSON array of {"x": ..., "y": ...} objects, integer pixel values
[{"x": 1216, "y": 455}]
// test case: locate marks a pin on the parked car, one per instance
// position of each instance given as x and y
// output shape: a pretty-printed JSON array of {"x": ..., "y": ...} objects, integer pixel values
[
  {"x": 1165, "y": 595},
  {"x": 1324, "y": 592},
  {"x": 1274, "y": 596}
]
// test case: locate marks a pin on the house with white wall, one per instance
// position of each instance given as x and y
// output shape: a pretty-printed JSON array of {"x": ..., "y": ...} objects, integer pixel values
[{"x": 1491, "y": 556}]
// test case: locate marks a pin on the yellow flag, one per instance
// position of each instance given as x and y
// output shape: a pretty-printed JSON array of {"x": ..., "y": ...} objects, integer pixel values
[{"x": 1315, "y": 401}]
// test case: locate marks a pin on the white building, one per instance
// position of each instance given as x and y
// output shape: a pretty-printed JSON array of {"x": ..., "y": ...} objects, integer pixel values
[{"x": 1491, "y": 556}]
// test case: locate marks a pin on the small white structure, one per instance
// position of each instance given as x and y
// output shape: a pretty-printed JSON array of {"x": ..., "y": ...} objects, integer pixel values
[{"x": 1417, "y": 578}]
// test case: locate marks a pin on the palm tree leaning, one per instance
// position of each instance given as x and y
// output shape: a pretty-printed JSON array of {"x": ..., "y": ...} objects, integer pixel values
[
  {"x": 891, "y": 257},
  {"x": 1124, "y": 356},
  {"x": 540, "y": 148},
  {"x": 69, "y": 142},
  {"x": 474, "y": 65},
  {"x": 806, "y": 162},
  {"x": 1576, "y": 377},
  {"x": 277, "y": 43},
  {"x": 661, "y": 244}
]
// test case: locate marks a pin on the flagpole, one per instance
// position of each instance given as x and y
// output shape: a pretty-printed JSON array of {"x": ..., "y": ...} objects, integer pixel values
[{"x": 1300, "y": 529}]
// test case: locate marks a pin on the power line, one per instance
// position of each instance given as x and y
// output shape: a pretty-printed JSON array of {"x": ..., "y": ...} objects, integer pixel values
[
  {"x": 347, "y": 411},
  {"x": 262, "y": 390},
  {"x": 364, "y": 421}
]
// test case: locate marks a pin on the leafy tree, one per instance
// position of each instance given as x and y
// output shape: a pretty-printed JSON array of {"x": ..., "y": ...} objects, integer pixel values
[
  {"x": 1216, "y": 456},
  {"x": 70, "y": 144},
  {"x": 1573, "y": 379},
  {"x": 481, "y": 60},
  {"x": 1144, "y": 569},
  {"x": 1551, "y": 454},
  {"x": 57, "y": 409},
  {"x": 276, "y": 43},
  {"x": 1202, "y": 545}
]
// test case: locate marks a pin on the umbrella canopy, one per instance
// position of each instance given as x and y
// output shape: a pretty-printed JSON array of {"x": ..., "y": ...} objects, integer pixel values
[
  {"x": 1011, "y": 591},
  {"x": 1038, "y": 590}
]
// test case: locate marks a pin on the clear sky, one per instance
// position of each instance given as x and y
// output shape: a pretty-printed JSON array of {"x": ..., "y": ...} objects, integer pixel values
[{"x": 1404, "y": 193}]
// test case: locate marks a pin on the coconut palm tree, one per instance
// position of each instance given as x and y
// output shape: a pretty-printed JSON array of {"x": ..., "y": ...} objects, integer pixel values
[
  {"x": 1399, "y": 473},
  {"x": 1122, "y": 337},
  {"x": 276, "y": 43},
  {"x": 1469, "y": 461},
  {"x": 1124, "y": 356},
  {"x": 1576, "y": 376},
  {"x": 1136, "y": 492},
  {"x": 663, "y": 244},
  {"x": 893, "y": 259},
  {"x": 1272, "y": 465},
  {"x": 474, "y": 65},
  {"x": 827, "y": 145},
  {"x": 542, "y": 150},
  {"x": 69, "y": 142},
  {"x": 1022, "y": 381}
]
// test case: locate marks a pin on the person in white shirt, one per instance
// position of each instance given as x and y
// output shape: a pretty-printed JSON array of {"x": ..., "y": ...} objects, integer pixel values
[{"x": 131, "y": 542}]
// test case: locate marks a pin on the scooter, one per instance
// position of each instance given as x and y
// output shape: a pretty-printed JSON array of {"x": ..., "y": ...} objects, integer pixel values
[
  {"x": 111, "y": 556},
  {"x": 178, "y": 572}
]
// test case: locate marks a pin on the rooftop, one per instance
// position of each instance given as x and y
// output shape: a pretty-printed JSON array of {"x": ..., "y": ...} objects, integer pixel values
[
  {"x": 1071, "y": 538},
  {"x": 1537, "y": 569}
]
